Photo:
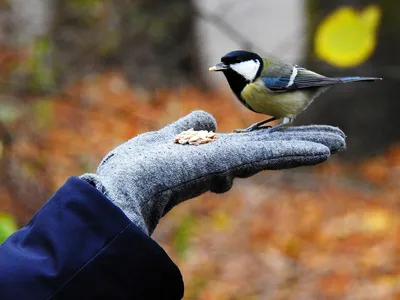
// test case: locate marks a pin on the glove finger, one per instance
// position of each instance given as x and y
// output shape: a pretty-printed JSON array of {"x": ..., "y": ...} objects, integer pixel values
[
  {"x": 319, "y": 128},
  {"x": 282, "y": 154},
  {"x": 334, "y": 141},
  {"x": 247, "y": 159},
  {"x": 198, "y": 119},
  {"x": 307, "y": 128}
]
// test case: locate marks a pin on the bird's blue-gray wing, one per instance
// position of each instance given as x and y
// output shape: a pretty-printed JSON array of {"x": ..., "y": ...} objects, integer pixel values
[{"x": 298, "y": 78}]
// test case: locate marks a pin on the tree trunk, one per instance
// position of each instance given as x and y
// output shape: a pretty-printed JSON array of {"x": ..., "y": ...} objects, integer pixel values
[{"x": 368, "y": 113}]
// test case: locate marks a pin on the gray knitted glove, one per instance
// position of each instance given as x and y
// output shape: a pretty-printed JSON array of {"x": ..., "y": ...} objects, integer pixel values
[{"x": 150, "y": 174}]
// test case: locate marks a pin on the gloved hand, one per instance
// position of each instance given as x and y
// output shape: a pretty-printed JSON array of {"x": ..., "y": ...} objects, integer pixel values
[{"x": 150, "y": 174}]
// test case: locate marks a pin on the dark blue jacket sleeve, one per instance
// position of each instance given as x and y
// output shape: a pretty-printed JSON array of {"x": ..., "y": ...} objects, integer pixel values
[{"x": 79, "y": 245}]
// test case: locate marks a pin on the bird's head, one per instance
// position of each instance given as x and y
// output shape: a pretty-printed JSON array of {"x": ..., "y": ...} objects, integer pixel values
[{"x": 246, "y": 64}]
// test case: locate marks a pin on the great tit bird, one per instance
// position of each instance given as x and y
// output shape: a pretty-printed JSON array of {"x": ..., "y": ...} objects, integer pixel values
[{"x": 272, "y": 87}]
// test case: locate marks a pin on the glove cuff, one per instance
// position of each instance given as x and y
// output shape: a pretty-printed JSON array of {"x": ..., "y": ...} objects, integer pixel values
[
  {"x": 93, "y": 180},
  {"x": 123, "y": 204}
]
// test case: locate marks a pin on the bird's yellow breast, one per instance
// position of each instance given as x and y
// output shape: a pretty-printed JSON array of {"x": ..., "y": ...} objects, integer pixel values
[{"x": 277, "y": 104}]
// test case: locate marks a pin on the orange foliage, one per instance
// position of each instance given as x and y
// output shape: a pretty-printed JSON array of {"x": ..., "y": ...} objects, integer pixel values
[{"x": 328, "y": 232}]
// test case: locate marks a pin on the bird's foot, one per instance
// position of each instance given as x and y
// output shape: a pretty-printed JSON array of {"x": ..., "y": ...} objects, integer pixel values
[
  {"x": 265, "y": 129},
  {"x": 252, "y": 128}
]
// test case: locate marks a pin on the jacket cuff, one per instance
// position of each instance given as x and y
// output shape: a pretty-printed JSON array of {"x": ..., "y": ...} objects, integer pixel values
[{"x": 79, "y": 245}]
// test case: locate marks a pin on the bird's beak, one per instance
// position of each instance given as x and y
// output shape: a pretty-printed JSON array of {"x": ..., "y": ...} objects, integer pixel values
[{"x": 218, "y": 67}]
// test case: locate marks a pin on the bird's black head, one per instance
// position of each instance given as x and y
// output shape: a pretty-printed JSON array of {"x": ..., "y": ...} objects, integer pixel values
[{"x": 240, "y": 68}]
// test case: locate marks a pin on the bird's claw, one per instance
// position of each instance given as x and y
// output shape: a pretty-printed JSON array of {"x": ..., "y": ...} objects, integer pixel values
[
  {"x": 251, "y": 128},
  {"x": 240, "y": 131}
]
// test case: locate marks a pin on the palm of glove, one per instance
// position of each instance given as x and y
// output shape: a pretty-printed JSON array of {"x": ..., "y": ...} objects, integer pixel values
[{"x": 150, "y": 174}]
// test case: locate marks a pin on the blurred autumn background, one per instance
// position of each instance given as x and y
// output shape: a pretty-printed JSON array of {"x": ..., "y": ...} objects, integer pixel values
[{"x": 79, "y": 77}]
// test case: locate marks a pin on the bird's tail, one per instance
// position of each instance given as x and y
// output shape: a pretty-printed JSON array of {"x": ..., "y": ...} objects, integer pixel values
[{"x": 357, "y": 78}]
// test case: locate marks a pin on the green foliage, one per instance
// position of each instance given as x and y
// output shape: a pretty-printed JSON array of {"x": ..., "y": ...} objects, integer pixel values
[
  {"x": 43, "y": 113},
  {"x": 9, "y": 113},
  {"x": 39, "y": 65},
  {"x": 86, "y": 3},
  {"x": 7, "y": 226},
  {"x": 183, "y": 233}
]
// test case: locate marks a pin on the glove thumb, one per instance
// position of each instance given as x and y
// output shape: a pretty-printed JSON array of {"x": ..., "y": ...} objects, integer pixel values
[{"x": 198, "y": 120}]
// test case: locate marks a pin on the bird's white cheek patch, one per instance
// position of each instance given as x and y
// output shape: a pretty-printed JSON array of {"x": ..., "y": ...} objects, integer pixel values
[{"x": 248, "y": 69}]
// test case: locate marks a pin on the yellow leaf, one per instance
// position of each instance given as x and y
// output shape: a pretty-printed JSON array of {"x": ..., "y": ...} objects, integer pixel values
[
  {"x": 371, "y": 16},
  {"x": 390, "y": 280},
  {"x": 347, "y": 38},
  {"x": 377, "y": 221},
  {"x": 293, "y": 246},
  {"x": 221, "y": 221}
]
